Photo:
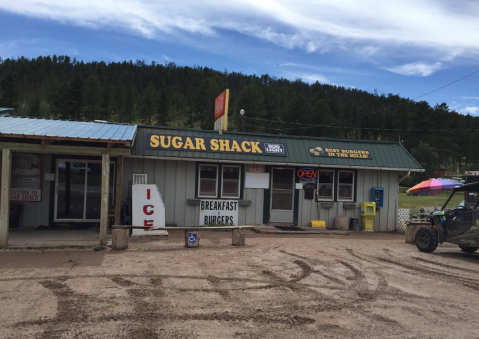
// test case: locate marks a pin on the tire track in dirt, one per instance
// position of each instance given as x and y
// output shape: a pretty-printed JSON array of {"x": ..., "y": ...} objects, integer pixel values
[
  {"x": 122, "y": 276},
  {"x": 421, "y": 270},
  {"x": 71, "y": 308},
  {"x": 445, "y": 265},
  {"x": 316, "y": 261},
  {"x": 412, "y": 260}
]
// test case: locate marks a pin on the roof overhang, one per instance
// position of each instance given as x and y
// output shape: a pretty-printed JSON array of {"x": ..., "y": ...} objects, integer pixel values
[{"x": 278, "y": 163}]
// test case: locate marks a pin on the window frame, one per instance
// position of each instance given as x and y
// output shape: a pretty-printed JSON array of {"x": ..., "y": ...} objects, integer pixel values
[
  {"x": 352, "y": 186},
  {"x": 219, "y": 180},
  {"x": 222, "y": 182},
  {"x": 336, "y": 185},
  {"x": 199, "y": 181},
  {"x": 318, "y": 198}
]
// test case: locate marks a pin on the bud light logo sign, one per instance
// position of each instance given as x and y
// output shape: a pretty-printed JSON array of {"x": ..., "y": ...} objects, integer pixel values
[{"x": 278, "y": 149}]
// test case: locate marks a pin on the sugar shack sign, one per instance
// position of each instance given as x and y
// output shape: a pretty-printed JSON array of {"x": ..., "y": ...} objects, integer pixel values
[
  {"x": 214, "y": 145},
  {"x": 26, "y": 184},
  {"x": 340, "y": 153}
]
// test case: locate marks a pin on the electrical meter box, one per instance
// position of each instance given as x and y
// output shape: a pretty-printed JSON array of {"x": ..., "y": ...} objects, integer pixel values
[
  {"x": 377, "y": 195},
  {"x": 368, "y": 209}
]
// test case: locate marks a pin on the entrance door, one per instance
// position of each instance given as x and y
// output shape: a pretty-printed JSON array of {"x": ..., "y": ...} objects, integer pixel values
[
  {"x": 78, "y": 190},
  {"x": 282, "y": 195}
]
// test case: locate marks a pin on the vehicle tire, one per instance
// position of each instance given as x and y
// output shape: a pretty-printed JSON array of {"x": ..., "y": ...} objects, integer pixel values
[
  {"x": 426, "y": 239},
  {"x": 468, "y": 249}
]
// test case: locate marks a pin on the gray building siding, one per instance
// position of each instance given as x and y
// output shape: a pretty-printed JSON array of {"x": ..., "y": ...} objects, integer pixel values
[
  {"x": 176, "y": 180},
  {"x": 385, "y": 220}
]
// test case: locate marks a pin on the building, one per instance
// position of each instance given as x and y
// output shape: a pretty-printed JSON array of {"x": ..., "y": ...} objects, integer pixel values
[{"x": 203, "y": 177}]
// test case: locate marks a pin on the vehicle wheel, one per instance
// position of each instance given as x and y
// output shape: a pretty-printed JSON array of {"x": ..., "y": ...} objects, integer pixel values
[
  {"x": 426, "y": 239},
  {"x": 468, "y": 249}
]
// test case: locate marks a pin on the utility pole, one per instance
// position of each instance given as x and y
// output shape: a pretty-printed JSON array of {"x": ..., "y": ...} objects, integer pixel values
[{"x": 242, "y": 119}]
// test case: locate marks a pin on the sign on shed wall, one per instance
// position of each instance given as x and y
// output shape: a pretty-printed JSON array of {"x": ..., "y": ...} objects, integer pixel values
[
  {"x": 219, "y": 212},
  {"x": 26, "y": 184}
]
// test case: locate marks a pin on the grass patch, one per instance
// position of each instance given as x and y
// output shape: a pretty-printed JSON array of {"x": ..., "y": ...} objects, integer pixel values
[{"x": 427, "y": 201}]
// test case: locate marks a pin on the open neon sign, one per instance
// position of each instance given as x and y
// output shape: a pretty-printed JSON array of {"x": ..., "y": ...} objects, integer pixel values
[{"x": 307, "y": 173}]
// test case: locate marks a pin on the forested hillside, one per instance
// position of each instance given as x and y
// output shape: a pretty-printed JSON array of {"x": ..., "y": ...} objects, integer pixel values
[{"x": 59, "y": 87}]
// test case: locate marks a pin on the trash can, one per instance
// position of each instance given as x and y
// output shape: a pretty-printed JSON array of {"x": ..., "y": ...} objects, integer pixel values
[
  {"x": 14, "y": 215},
  {"x": 354, "y": 224}
]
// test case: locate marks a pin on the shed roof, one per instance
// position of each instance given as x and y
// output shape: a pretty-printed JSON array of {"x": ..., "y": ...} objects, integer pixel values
[
  {"x": 384, "y": 155},
  {"x": 66, "y": 130}
]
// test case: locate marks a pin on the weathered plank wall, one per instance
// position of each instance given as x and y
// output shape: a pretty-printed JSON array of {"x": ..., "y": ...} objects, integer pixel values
[
  {"x": 386, "y": 217},
  {"x": 176, "y": 182}
]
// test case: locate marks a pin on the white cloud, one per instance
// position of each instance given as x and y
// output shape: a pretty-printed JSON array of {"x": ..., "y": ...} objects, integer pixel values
[
  {"x": 473, "y": 110},
  {"x": 312, "y": 78},
  {"x": 416, "y": 68},
  {"x": 470, "y": 98},
  {"x": 368, "y": 28}
]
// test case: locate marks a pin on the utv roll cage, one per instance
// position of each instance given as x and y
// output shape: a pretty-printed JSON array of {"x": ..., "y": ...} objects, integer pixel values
[{"x": 473, "y": 187}]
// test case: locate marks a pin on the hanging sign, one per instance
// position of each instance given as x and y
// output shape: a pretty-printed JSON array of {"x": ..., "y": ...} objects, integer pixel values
[
  {"x": 215, "y": 145},
  {"x": 26, "y": 183},
  {"x": 307, "y": 173},
  {"x": 219, "y": 212},
  {"x": 340, "y": 153}
]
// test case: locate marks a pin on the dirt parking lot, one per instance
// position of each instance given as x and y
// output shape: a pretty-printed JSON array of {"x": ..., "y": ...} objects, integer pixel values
[{"x": 278, "y": 286}]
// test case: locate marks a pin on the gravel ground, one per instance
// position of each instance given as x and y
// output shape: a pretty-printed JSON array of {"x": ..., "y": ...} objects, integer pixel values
[{"x": 278, "y": 286}]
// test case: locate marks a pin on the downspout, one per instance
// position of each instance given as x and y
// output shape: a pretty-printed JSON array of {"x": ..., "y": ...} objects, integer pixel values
[{"x": 404, "y": 177}]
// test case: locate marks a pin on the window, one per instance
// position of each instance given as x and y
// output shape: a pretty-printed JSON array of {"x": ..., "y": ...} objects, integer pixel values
[
  {"x": 207, "y": 183},
  {"x": 336, "y": 185},
  {"x": 219, "y": 181},
  {"x": 230, "y": 187},
  {"x": 345, "y": 186},
  {"x": 326, "y": 185}
]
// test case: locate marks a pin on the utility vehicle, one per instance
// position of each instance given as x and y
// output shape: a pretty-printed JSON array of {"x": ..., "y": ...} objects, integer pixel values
[{"x": 459, "y": 225}]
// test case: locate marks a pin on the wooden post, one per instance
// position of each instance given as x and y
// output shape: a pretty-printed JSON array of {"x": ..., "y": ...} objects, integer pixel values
[
  {"x": 193, "y": 243},
  {"x": 238, "y": 238},
  {"x": 119, "y": 239},
  {"x": 411, "y": 230},
  {"x": 5, "y": 196},
  {"x": 105, "y": 192},
  {"x": 118, "y": 187}
]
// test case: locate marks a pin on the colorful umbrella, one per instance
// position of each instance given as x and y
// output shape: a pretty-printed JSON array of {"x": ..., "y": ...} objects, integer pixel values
[{"x": 432, "y": 187}]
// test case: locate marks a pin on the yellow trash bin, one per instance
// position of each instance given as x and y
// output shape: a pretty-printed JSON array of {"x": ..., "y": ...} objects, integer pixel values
[{"x": 318, "y": 223}]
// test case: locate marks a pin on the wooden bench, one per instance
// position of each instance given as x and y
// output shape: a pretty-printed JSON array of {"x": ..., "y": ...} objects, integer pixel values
[
  {"x": 411, "y": 229},
  {"x": 120, "y": 234}
]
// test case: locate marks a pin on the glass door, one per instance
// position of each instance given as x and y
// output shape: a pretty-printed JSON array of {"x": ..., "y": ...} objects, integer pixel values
[
  {"x": 78, "y": 190},
  {"x": 282, "y": 195}
]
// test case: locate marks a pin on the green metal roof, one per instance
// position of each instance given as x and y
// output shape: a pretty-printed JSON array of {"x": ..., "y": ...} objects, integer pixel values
[{"x": 385, "y": 155}]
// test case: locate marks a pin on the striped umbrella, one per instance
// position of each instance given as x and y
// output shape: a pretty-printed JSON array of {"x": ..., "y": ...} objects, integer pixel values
[{"x": 432, "y": 187}]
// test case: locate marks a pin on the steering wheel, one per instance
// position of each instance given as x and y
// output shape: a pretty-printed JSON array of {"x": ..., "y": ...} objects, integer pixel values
[{"x": 461, "y": 208}]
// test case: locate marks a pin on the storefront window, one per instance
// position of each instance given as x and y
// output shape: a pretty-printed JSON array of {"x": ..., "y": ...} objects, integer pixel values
[
  {"x": 345, "y": 186},
  {"x": 326, "y": 185},
  {"x": 208, "y": 178},
  {"x": 231, "y": 182}
]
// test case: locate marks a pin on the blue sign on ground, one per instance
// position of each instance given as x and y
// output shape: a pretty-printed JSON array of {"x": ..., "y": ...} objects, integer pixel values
[{"x": 192, "y": 238}]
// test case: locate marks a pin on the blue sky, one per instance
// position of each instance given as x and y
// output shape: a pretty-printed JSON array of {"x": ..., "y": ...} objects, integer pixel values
[{"x": 403, "y": 47}]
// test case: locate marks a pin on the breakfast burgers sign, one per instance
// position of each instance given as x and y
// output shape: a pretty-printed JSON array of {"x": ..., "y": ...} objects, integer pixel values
[{"x": 214, "y": 145}]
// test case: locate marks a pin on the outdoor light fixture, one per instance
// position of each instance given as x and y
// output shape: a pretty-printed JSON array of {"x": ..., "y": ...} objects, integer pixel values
[{"x": 242, "y": 119}]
